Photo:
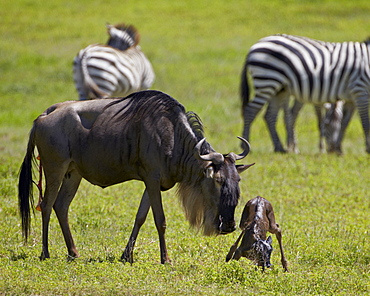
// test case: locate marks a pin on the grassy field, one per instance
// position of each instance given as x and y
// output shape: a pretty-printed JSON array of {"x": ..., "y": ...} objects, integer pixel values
[{"x": 197, "y": 49}]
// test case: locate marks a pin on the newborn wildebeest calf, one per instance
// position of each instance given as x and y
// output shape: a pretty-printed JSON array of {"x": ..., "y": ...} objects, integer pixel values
[{"x": 257, "y": 218}]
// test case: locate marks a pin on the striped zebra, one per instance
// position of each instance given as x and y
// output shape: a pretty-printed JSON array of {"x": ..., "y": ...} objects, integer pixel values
[
  {"x": 115, "y": 69},
  {"x": 311, "y": 71}
]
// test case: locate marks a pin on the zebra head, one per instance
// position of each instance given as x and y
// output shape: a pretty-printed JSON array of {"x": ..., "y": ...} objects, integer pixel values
[
  {"x": 122, "y": 36},
  {"x": 332, "y": 125}
]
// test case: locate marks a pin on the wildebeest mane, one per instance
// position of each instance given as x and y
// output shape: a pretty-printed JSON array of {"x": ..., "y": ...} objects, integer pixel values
[
  {"x": 149, "y": 104},
  {"x": 143, "y": 104},
  {"x": 196, "y": 124}
]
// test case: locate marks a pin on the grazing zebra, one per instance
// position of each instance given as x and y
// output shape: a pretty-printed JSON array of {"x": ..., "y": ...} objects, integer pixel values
[
  {"x": 116, "y": 69},
  {"x": 310, "y": 71}
]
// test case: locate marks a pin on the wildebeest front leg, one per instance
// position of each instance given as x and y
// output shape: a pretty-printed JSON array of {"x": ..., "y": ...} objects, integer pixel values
[
  {"x": 160, "y": 222},
  {"x": 141, "y": 215},
  {"x": 66, "y": 194},
  {"x": 274, "y": 229}
]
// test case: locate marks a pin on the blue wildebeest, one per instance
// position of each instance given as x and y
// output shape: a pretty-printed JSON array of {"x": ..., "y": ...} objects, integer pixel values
[
  {"x": 146, "y": 136},
  {"x": 311, "y": 71},
  {"x": 116, "y": 69},
  {"x": 257, "y": 219}
]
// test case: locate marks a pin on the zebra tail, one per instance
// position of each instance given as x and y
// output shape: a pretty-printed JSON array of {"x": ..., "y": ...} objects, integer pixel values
[
  {"x": 25, "y": 188},
  {"x": 244, "y": 87},
  {"x": 93, "y": 90}
]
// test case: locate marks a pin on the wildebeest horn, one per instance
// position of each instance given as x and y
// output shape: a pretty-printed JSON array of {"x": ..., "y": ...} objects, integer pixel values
[
  {"x": 215, "y": 157},
  {"x": 246, "y": 150}
]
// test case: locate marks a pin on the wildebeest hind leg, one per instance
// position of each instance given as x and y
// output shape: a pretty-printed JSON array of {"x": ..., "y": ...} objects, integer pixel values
[
  {"x": 53, "y": 181},
  {"x": 66, "y": 194},
  {"x": 141, "y": 215}
]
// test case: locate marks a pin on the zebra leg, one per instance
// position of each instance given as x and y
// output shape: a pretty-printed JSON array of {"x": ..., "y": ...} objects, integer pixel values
[
  {"x": 348, "y": 110},
  {"x": 250, "y": 112},
  {"x": 270, "y": 118},
  {"x": 290, "y": 118},
  {"x": 318, "y": 111},
  {"x": 362, "y": 104}
]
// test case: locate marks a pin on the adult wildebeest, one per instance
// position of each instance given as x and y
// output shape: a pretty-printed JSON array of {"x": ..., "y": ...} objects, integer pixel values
[
  {"x": 146, "y": 136},
  {"x": 257, "y": 218}
]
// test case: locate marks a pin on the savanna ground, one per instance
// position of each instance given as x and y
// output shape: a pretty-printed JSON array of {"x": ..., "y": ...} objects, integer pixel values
[{"x": 197, "y": 49}]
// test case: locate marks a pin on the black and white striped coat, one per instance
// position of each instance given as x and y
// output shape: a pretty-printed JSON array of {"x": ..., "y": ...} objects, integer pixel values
[
  {"x": 116, "y": 69},
  {"x": 311, "y": 71}
]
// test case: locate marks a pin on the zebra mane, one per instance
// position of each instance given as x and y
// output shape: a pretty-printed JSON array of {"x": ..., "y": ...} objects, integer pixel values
[
  {"x": 367, "y": 40},
  {"x": 123, "y": 36}
]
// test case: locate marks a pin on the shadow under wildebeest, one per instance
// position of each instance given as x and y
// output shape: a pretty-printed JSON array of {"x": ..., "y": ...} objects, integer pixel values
[
  {"x": 146, "y": 136},
  {"x": 257, "y": 218}
]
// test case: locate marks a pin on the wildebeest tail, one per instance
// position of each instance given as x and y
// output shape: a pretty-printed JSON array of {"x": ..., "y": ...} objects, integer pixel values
[
  {"x": 244, "y": 87},
  {"x": 25, "y": 192}
]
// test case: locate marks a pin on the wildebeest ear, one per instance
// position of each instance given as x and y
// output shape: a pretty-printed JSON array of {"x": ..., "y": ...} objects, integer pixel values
[
  {"x": 242, "y": 167},
  {"x": 269, "y": 240},
  {"x": 209, "y": 172}
]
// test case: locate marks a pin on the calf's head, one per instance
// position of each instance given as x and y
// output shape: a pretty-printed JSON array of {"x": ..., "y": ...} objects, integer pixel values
[{"x": 259, "y": 251}]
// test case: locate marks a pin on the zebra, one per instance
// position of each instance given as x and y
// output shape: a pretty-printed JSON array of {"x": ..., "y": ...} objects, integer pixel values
[
  {"x": 115, "y": 69},
  {"x": 311, "y": 71}
]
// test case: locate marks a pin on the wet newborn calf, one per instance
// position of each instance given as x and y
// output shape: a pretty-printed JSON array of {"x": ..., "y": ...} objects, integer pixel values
[{"x": 257, "y": 218}]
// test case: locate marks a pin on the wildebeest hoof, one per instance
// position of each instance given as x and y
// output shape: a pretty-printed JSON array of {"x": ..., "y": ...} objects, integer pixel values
[{"x": 127, "y": 258}]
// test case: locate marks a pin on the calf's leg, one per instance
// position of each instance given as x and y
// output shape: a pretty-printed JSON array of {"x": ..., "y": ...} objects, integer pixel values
[{"x": 274, "y": 229}]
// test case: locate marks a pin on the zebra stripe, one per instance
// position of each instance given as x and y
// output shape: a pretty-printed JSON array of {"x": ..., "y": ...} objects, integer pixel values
[
  {"x": 102, "y": 70},
  {"x": 311, "y": 71}
]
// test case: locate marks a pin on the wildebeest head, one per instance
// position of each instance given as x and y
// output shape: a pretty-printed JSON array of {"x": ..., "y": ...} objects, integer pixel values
[{"x": 212, "y": 204}]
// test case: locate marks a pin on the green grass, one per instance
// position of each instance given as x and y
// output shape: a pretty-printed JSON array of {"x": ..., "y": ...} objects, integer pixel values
[{"x": 197, "y": 49}]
